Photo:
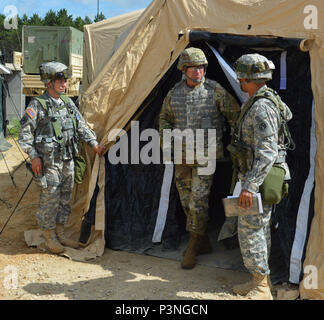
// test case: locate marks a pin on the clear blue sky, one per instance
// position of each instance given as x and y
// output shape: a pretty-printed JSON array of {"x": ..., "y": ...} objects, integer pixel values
[{"x": 82, "y": 8}]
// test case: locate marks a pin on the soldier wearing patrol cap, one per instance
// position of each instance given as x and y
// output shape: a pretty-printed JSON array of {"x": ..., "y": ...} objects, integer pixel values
[
  {"x": 258, "y": 147},
  {"x": 50, "y": 131},
  {"x": 196, "y": 103}
]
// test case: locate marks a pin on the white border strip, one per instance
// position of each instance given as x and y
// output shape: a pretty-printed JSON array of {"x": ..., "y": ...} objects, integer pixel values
[
  {"x": 303, "y": 212},
  {"x": 283, "y": 70},
  {"x": 164, "y": 203},
  {"x": 230, "y": 74}
]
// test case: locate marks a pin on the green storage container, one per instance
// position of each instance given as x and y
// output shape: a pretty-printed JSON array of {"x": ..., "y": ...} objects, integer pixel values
[{"x": 44, "y": 44}]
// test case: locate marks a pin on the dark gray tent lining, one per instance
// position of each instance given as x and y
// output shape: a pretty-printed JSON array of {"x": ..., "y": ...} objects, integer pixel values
[
  {"x": 133, "y": 191},
  {"x": 236, "y": 40}
]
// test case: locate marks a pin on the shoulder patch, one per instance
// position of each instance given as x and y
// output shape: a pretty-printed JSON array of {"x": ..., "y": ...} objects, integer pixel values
[
  {"x": 263, "y": 125},
  {"x": 31, "y": 112}
]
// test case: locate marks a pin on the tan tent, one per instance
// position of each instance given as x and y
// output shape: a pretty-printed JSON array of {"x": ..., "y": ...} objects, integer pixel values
[
  {"x": 152, "y": 46},
  {"x": 101, "y": 40}
]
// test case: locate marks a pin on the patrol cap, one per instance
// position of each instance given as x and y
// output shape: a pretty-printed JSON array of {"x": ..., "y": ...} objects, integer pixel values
[
  {"x": 54, "y": 70},
  {"x": 254, "y": 67},
  {"x": 191, "y": 57}
]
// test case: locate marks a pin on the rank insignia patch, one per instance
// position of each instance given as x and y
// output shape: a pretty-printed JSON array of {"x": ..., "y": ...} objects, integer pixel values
[{"x": 31, "y": 113}]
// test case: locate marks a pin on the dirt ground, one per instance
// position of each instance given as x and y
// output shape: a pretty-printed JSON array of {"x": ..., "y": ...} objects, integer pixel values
[{"x": 29, "y": 274}]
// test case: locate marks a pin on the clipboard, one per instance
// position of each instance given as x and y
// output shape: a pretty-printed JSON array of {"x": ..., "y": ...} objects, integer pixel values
[{"x": 232, "y": 210}]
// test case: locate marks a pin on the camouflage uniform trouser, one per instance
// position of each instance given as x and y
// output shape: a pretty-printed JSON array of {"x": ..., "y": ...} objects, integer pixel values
[
  {"x": 54, "y": 203},
  {"x": 194, "y": 193},
  {"x": 255, "y": 240}
]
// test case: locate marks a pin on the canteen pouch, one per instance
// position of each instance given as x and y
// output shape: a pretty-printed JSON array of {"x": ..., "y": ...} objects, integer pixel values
[
  {"x": 285, "y": 189},
  {"x": 80, "y": 165},
  {"x": 274, "y": 188}
]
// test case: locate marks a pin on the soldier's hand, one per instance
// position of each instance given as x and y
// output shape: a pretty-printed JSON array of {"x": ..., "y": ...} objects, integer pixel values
[
  {"x": 99, "y": 149},
  {"x": 37, "y": 166},
  {"x": 245, "y": 199}
]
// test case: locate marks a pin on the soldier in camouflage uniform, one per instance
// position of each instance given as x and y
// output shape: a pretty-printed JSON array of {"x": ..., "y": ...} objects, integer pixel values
[
  {"x": 196, "y": 103},
  {"x": 50, "y": 130},
  {"x": 259, "y": 129}
]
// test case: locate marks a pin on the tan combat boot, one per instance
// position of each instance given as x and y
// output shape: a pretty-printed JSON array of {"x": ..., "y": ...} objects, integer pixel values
[
  {"x": 244, "y": 288},
  {"x": 65, "y": 241},
  {"x": 269, "y": 282},
  {"x": 204, "y": 245},
  {"x": 261, "y": 291},
  {"x": 256, "y": 289},
  {"x": 51, "y": 242},
  {"x": 189, "y": 258}
]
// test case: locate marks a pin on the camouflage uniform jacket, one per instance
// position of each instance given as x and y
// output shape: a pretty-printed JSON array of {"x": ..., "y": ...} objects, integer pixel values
[
  {"x": 260, "y": 131},
  {"x": 37, "y": 137},
  {"x": 199, "y": 107}
]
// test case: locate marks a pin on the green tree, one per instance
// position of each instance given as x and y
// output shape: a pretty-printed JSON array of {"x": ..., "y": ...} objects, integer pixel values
[
  {"x": 24, "y": 19},
  {"x": 87, "y": 20},
  {"x": 50, "y": 19},
  {"x": 78, "y": 23},
  {"x": 34, "y": 20},
  {"x": 10, "y": 40},
  {"x": 63, "y": 19},
  {"x": 2, "y": 32},
  {"x": 99, "y": 17}
]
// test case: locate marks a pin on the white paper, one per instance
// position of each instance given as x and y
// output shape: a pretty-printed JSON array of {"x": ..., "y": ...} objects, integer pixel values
[
  {"x": 258, "y": 195},
  {"x": 237, "y": 189}
]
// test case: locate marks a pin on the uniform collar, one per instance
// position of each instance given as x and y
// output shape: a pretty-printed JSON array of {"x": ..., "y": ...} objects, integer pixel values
[
  {"x": 252, "y": 97},
  {"x": 260, "y": 89},
  {"x": 57, "y": 102}
]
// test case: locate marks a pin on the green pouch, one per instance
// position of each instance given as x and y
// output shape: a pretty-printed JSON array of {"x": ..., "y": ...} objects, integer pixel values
[
  {"x": 80, "y": 165},
  {"x": 285, "y": 189},
  {"x": 274, "y": 188}
]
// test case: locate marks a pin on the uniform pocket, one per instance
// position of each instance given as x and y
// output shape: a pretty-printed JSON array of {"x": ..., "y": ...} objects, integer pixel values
[
  {"x": 206, "y": 123},
  {"x": 67, "y": 124},
  {"x": 47, "y": 151}
]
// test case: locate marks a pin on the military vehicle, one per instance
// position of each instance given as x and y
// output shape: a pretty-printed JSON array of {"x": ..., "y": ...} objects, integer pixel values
[{"x": 43, "y": 44}]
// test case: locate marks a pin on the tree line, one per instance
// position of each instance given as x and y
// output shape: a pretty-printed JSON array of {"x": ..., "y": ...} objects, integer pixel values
[{"x": 11, "y": 39}]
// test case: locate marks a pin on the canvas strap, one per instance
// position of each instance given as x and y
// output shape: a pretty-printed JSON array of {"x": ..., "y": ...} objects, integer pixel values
[{"x": 54, "y": 121}]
